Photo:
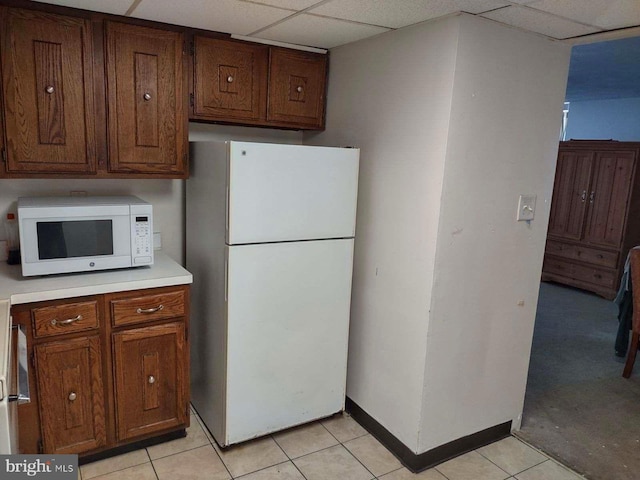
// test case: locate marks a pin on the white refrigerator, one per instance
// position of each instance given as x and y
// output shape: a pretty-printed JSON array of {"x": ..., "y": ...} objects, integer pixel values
[{"x": 269, "y": 240}]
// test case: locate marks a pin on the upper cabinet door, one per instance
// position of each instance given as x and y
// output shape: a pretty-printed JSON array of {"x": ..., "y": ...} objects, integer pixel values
[
  {"x": 147, "y": 102},
  {"x": 296, "y": 88},
  {"x": 570, "y": 194},
  {"x": 48, "y": 92},
  {"x": 230, "y": 80},
  {"x": 609, "y": 197}
]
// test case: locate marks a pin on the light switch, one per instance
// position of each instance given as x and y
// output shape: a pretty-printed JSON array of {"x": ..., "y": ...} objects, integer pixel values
[{"x": 526, "y": 207}]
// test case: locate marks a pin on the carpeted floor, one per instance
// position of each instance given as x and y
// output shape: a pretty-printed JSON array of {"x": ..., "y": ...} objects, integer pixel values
[{"x": 578, "y": 408}]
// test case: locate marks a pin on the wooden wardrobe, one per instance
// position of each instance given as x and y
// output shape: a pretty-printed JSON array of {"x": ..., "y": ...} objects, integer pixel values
[{"x": 595, "y": 214}]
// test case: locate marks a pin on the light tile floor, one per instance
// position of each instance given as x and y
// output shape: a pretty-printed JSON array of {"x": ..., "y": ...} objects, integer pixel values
[{"x": 337, "y": 448}]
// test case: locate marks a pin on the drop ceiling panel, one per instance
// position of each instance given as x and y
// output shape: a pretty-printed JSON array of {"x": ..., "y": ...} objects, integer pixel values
[
  {"x": 289, "y": 4},
  {"x": 396, "y": 14},
  {"x": 540, "y": 22},
  {"x": 230, "y": 16},
  {"x": 116, "y": 7},
  {"x": 317, "y": 31},
  {"x": 601, "y": 13}
]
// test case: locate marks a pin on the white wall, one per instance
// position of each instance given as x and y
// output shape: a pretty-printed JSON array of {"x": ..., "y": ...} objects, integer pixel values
[
  {"x": 455, "y": 118},
  {"x": 503, "y": 138},
  {"x": 617, "y": 119},
  {"x": 167, "y": 196},
  {"x": 391, "y": 96}
]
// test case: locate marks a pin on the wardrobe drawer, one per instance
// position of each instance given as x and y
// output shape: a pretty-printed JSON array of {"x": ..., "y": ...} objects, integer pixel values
[
  {"x": 594, "y": 256},
  {"x": 585, "y": 273}
]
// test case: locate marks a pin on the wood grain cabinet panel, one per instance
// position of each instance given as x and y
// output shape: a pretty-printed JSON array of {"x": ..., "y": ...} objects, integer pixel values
[
  {"x": 297, "y": 87},
  {"x": 71, "y": 395},
  {"x": 230, "y": 79},
  {"x": 150, "y": 379},
  {"x": 66, "y": 318},
  {"x": 147, "y": 308},
  {"x": 146, "y": 100},
  {"x": 596, "y": 196},
  {"x": 97, "y": 383},
  {"x": 48, "y": 92}
]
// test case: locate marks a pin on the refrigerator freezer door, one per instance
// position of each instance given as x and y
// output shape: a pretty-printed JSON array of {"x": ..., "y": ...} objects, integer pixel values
[
  {"x": 290, "y": 192},
  {"x": 288, "y": 321}
]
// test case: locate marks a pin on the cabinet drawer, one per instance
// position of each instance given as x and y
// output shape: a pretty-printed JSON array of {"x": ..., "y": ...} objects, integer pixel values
[
  {"x": 147, "y": 308},
  {"x": 66, "y": 318},
  {"x": 595, "y": 256},
  {"x": 598, "y": 276}
]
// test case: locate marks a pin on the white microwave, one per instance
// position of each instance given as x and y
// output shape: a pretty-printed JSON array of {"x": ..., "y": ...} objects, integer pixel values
[{"x": 79, "y": 234}]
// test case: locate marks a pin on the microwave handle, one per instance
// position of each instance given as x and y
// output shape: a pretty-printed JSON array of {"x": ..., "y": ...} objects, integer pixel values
[{"x": 22, "y": 368}]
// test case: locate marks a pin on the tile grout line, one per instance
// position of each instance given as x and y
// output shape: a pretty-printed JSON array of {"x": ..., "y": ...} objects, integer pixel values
[
  {"x": 287, "y": 455},
  {"x": 210, "y": 439},
  {"x": 498, "y": 466}
]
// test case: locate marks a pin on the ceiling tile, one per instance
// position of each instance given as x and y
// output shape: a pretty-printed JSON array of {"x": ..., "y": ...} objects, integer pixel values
[
  {"x": 116, "y": 7},
  {"x": 317, "y": 31},
  {"x": 540, "y": 22},
  {"x": 607, "y": 14},
  {"x": 230, "y": 16},
  {"x": 396, "y": 14},
  {"x": 288, "y": 4}
]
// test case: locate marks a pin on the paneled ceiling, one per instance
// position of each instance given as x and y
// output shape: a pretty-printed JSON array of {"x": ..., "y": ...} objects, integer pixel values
[
  {"x": 603, "y": 70},
  {"x": 330, "y": 23}
]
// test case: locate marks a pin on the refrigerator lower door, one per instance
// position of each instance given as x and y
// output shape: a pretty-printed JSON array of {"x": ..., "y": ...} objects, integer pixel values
[{"x": 287, "y": 333}]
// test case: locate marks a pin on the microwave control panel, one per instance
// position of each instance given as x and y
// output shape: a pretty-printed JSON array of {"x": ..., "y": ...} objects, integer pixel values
[
  {"x": 142, "y": 230},
  {"x": 142, "y": 236}
]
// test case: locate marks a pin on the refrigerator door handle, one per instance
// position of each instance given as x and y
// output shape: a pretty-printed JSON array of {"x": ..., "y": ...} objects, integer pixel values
[
  {"x": 226, "y": 279},
  {"x": 226, "y": 212}
]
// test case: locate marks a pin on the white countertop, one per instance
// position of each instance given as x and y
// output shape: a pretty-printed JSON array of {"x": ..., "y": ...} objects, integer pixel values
[{"x": 18, "y": 289}]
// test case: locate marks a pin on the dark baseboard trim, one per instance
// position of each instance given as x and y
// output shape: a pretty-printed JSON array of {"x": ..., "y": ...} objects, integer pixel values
[
  {"x": 94, "y": 457},
  {"x": 418, "y": 462}
]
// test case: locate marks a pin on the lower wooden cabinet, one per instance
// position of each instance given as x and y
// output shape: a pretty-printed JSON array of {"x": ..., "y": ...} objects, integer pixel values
[
  {"x": 150, "y": 379},
  {"x": 71, "y": 394},
  {"x": 107, "y": 370}
]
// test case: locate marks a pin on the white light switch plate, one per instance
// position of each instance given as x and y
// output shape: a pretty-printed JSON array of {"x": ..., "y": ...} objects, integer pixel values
[{"x": 526, "y": 207}]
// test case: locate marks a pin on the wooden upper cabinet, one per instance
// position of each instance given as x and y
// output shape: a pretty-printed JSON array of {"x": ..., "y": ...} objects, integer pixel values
[
  {"x": 570, "y": 194},
  {"x": 48, "y": 92},
  {"x": 230, "y": 80},
  {"x": 297, "y": 87},
  {"x": 71, "y": 395},
  {"x": 147, "y": 118}
]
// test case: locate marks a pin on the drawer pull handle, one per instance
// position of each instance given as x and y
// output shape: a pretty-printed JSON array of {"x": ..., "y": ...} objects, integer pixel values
[
  {"x": 151, "y": 379},
  {"x": 68, "y": 321},
  {"x": 583, "y": 196},
  {"x": 72, "y": 396},
  {"x": 591, "y": 197},
  {"x": 150, "y": 310}
]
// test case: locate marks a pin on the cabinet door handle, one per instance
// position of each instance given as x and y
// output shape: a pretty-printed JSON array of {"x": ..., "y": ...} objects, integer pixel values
[
  {"x": 230, "y": 79},
  {"x": 151, "y": 379},
  {"x": 147, "y": 96},
  {"x": 583, "y": 196},
  {"x": 49, "y": 89},
  {"x": 150, "y": 310},
  {"x": 68, "y": 321},
  {"x": 591, "y": 197},
  {"x": 299, "y": 89},
  {"x": 72, "y": 396}
]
